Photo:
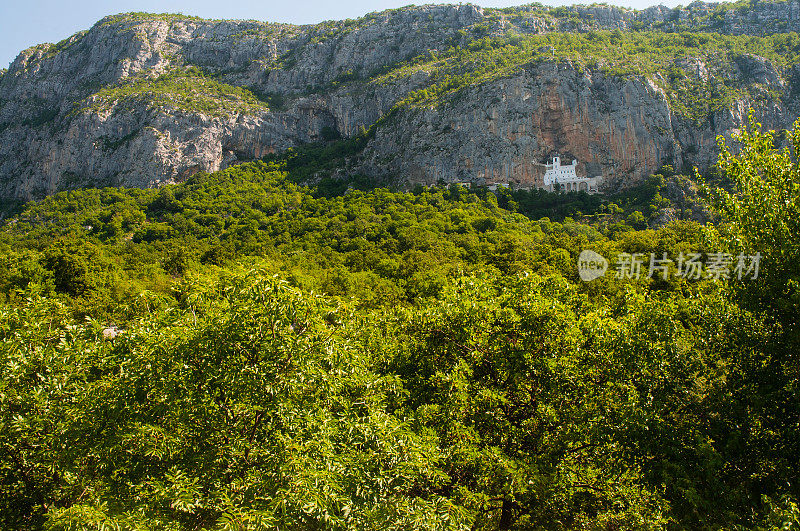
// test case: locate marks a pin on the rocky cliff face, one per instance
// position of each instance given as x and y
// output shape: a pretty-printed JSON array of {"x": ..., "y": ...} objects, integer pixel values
[
  {"x": 140, "y": 100},
  {"x": 620, "y": 128},
  {"x": 613, "y": 127}
]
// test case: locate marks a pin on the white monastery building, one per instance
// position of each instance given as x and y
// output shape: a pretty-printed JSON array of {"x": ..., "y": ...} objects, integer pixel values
[{"x": 558, "y": 177}]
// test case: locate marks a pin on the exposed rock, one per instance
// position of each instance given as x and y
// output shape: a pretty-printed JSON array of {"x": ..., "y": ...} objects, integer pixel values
[
  {"x": 61, "y": 128},
  {"x": 621, "y": 129}
]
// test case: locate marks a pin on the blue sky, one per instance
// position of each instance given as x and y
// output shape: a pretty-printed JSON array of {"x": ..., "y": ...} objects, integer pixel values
[{"x": 28, "y": 22}]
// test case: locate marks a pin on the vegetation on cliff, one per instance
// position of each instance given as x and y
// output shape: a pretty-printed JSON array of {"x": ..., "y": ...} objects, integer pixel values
[
  {"x": 187, "y": 89},
  {"x": 701, "y": 73}
]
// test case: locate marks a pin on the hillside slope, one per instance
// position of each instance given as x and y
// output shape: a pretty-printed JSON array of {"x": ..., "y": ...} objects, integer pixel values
[{"x": 453, "y": 93}]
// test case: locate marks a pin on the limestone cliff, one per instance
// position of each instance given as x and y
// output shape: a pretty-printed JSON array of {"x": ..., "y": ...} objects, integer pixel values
[{"x": 140, "y": 100}]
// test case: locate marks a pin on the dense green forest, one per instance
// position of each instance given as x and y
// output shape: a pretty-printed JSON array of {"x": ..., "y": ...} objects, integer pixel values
[{"x": 241, "y": 351}]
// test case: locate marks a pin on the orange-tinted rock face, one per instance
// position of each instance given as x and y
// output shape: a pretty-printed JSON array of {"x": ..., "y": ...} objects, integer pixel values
[{"x": 625, "y": 141}]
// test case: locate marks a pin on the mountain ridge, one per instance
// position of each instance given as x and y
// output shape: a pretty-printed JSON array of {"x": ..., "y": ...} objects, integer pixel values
[{"x": 140, "y": 100}]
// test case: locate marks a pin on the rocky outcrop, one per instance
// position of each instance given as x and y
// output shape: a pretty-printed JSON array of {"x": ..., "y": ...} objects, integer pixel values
[
  {"x": 504, "y": 131},
  {"x": 619, "y": 128},
  {"x": 50, "y": 141},
  {"x": 754, "y": 18},
  {"x": 70, "y": 115}
]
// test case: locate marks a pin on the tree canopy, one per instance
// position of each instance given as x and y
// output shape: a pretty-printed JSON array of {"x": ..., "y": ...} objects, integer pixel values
[{"x": 243, "y": 352}]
